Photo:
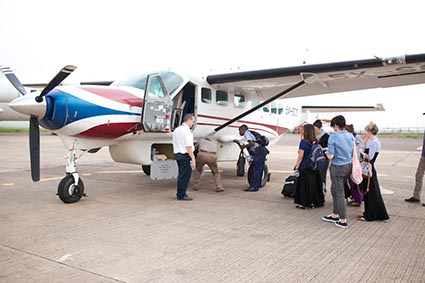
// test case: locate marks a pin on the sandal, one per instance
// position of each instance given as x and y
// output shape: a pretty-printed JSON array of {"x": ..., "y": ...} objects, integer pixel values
[
  {"x": 354, "y": 204},
  {"x": 361, "y": 218}
]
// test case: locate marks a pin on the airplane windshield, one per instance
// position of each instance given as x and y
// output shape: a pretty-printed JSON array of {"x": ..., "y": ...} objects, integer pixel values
[{"x": 171, "y": 80}]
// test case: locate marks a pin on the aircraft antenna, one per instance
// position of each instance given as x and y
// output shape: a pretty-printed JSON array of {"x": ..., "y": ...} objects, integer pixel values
[{"x": 305, "y": 56}]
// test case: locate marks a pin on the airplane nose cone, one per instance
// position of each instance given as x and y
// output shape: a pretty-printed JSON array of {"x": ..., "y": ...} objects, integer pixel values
[{"x": 28, "y": 106}]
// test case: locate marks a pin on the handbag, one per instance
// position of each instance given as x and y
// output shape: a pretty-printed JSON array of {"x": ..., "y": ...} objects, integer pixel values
[
  {"x": 240, "y": 165},
  {"x": 366, "y": 169},
  {"x": 356, "y": 171}
]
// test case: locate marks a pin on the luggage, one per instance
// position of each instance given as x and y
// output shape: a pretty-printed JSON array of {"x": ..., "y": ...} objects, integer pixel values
[
  {"x": 240, "y": 165},
  {"x": 316, "y": 160},
  {"x": 260, "y": 139},
  {"x": 290, "y": 186}
]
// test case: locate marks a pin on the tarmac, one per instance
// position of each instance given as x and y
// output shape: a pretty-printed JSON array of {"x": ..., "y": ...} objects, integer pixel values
[{"x": 132, "y": 229}]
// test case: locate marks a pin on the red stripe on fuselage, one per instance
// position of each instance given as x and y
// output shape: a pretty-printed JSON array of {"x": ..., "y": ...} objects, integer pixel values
[
  {"x": 115, "y": 94},
  {"x": 110, "y": 131}
]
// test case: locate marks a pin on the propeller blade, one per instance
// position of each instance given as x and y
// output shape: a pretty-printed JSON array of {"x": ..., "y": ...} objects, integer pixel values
[
  {"x": 35, "y": 149},
  {"x": 65, "y": 72},
  {"x": 13, "y": 79}
]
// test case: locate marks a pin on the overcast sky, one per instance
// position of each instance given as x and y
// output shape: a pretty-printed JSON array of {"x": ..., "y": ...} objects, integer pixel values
[{"x": 109, "y": 39}]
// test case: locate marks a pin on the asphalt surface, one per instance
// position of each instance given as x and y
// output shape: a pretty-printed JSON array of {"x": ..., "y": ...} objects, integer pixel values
[{"x": 132, "y": 229}]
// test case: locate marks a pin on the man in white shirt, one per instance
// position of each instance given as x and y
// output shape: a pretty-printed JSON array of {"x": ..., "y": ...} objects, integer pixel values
[{"x": 183, "y": 154}]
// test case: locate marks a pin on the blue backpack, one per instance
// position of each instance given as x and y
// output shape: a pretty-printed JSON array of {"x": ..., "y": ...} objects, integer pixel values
[{"x": 316, "y": 160}]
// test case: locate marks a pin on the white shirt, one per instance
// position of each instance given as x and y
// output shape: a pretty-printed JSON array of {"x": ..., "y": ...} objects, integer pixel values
[{"x": 182, "y": 137}]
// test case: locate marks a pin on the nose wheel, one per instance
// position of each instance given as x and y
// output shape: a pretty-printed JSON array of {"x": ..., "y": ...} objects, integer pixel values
[{"x": 68, "y": 191}]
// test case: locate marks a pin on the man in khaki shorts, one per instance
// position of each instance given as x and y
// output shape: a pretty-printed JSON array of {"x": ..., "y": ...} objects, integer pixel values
[{"x": 207, "y": 154}]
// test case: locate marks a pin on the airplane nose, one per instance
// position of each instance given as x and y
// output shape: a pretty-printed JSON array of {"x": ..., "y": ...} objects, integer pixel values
[{"x": 28, "y": 106}]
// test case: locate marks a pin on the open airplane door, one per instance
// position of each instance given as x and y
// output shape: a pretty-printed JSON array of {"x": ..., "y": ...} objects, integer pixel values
[{"x": 157, "y": 105}]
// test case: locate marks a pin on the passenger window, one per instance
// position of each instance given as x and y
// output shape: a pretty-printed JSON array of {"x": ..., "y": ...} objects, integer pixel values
[
  {"x": 266, "y": 108},
  {"x": 274, "y": 108},
  {"x": 221, "y": 98},
  {"x": 239, "y": 100},
  {"x": 206, "y": 95},
  {"x": 279, "y": 109}
]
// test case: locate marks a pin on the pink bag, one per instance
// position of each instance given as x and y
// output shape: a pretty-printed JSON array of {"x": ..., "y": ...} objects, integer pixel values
[{"x": 356, "y": 173}]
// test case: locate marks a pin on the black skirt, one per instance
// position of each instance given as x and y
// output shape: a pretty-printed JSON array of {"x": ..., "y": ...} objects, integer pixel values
[
  {"x": 374, "y": 207},
  {"x": 309, "y": 192}
]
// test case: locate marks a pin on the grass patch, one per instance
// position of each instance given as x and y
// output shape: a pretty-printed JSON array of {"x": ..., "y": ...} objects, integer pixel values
[
  {"x": 406, "y": 135},
  {"x": 13, "y": 130}
]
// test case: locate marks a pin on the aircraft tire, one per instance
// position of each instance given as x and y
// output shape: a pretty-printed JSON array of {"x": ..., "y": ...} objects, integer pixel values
[
  {"x": 264, "y": 177},
  {"x": 146, "y": 169},
  {"x": 67, "y": 192}
]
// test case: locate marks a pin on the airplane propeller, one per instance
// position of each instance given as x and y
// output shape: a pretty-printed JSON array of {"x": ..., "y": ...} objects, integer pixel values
[
  {"x": 34, "y": 130},
  {"x": 10, "y": 75},
  {"x": 65, "y": 72}
]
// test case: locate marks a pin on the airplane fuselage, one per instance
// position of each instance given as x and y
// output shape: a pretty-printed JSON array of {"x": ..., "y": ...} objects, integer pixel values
[{"x": 88, "y": 117}]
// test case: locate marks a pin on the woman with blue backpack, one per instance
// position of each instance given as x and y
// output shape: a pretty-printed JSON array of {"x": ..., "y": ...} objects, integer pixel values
[{"x": 309, "y": 192}]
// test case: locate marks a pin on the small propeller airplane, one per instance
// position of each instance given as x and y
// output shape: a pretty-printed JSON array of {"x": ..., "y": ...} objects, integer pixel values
[{"x": 137, "y": 116}]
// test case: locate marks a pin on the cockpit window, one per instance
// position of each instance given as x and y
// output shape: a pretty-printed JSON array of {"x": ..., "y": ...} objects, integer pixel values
[{"x": 171, "y": 80}]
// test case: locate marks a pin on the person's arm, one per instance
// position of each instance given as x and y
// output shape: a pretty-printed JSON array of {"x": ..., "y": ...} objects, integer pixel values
[
  {"x": 373, "y": 148},
  {"x": 189, "y": 150},
  {"x": 299, "y": 159},
  {"x": 331, "y": 148},
  {"x": 250, "y": 143}
]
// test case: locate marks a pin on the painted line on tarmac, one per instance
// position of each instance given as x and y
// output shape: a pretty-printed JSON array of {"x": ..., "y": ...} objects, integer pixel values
[{"x": 118, "y": 172}]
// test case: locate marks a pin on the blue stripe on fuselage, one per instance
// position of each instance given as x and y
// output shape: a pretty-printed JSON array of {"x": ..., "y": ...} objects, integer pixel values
[{"x": 63, "y": 108}]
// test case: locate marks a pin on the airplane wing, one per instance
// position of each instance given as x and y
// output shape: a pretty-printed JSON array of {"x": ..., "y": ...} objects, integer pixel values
[{"x": 332, "y": 77}]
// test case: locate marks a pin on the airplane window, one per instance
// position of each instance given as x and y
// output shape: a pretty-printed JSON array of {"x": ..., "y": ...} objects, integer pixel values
[
  {"x": 155, "y": 88},
  {"x": 274, "y": 107},
  {"x": 279, "y": 109},
  {"x": 206, "y": 95},
  {"x": 239, "y": 100},
  {"x": 171, "y": 80},
  {"x": 221, "y": 98}
]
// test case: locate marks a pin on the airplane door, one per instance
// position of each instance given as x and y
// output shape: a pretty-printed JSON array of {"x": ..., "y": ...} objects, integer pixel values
[{"x": 157, "y": 105}]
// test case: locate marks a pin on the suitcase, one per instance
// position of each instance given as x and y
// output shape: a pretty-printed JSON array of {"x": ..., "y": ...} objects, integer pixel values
[{"x": 290, "y": 186}]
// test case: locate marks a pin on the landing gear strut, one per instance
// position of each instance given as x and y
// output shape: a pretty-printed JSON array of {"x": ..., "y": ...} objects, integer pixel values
[{"x": 71, "y": 187}]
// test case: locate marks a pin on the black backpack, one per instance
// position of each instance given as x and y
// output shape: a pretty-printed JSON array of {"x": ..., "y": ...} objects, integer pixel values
[
  {"x": 316, "y": 160},
  {"x": 260, "y": 139}
]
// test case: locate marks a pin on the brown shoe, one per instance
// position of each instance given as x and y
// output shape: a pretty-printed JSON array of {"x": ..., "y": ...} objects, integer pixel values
[
  {"x": 412, "y": 199},
  {"x": 195, "y": 188},
  {"x": 220, "y": 189}
]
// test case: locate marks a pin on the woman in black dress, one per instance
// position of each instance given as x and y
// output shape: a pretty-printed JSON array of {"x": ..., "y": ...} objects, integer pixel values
[
  {"x": 374, "y": 207},
  {"x": 309, "y": 192}
]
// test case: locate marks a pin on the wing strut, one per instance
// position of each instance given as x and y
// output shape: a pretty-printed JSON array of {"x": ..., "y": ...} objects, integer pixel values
[{"x": 306, "y": 78}]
